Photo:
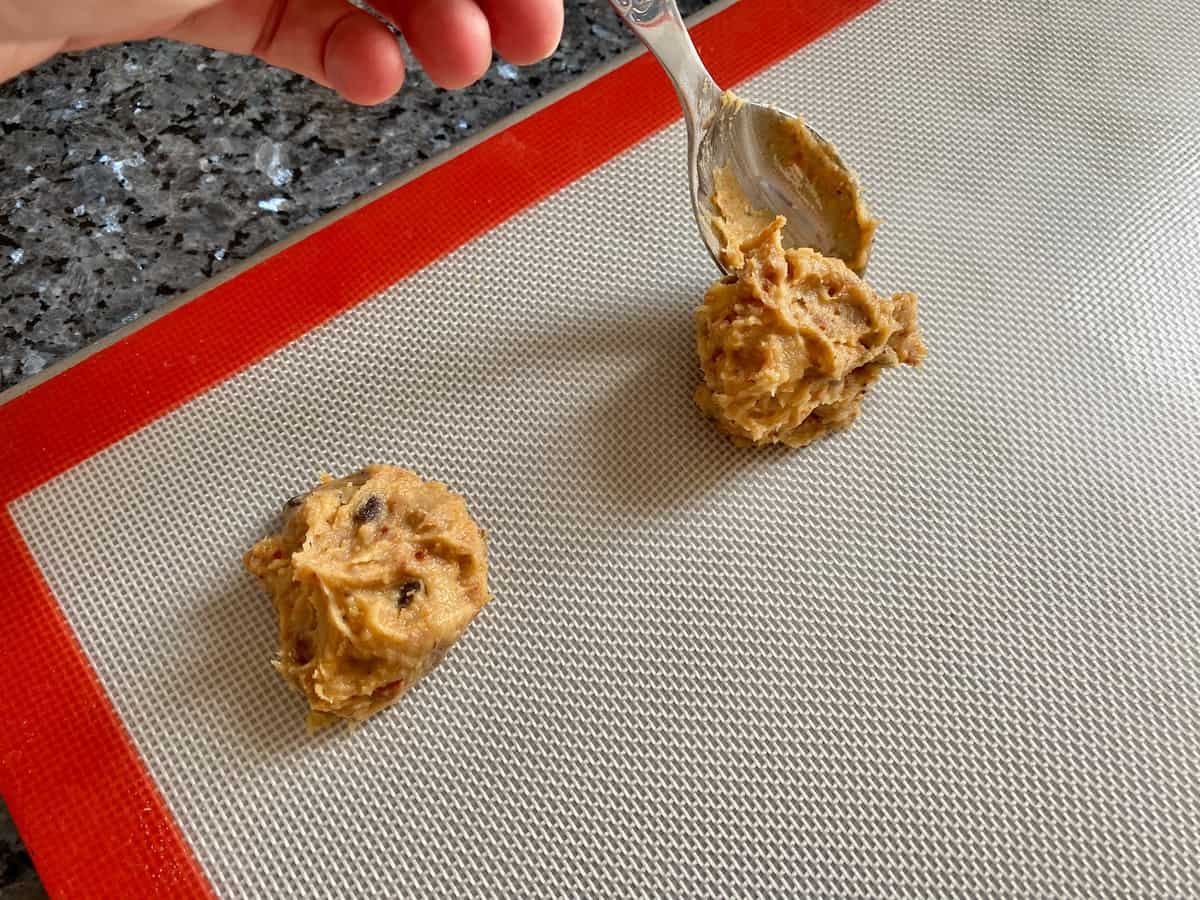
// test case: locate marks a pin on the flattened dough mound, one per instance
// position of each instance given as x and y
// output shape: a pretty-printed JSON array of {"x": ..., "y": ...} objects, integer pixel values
[
  {"x": 790, "y": 344},
  {"x": 374, "y": 577}
]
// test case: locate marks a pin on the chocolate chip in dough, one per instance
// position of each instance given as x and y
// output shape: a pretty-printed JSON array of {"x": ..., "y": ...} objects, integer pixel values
[
  {"x": 407, "y": 591},
  {"x": 302, "y": 652},
  {"x": 370, "y": 509}
]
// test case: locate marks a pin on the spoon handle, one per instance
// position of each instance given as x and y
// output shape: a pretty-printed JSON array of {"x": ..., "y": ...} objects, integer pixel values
[{"x": 659, "y": 26}]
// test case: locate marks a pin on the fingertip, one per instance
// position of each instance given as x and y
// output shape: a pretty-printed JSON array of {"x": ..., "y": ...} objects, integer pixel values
[
  {"x": 524, "y": 31},
  {"x": 363, "y": 62},
  {"x": 451, "y": 38}
]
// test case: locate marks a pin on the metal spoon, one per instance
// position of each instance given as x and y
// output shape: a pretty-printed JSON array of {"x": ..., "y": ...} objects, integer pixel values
[{"x": 780, "y": 164}]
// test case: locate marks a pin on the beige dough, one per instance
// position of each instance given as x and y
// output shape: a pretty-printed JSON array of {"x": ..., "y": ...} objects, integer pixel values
[
  {"x": 819, "y": 182},
  {"x": 373, "y": 577},
  {"x": 790, "y": 344}
]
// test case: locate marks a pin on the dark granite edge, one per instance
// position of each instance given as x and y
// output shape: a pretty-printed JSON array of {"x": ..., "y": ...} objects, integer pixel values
[{"x": 326, "y": 219}]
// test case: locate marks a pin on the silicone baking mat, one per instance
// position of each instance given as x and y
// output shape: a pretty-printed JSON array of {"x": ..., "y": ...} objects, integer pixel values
[{"x": 951, "y": 651}]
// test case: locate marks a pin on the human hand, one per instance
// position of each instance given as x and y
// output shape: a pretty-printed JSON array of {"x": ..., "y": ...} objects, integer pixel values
[{"x": 329, "y": 41}]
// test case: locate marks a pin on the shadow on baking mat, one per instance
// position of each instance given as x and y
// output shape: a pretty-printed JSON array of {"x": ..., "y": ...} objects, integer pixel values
[
  {"x": 637, "y": 442},
  {"x": 651, "y": 449},
  {"x": 242, "y": 712}
]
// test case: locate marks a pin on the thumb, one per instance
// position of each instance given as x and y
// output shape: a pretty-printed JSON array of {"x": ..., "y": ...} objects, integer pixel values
[
  {"x": 17, "y": 57},
  {"x": 33, "y": 21}
]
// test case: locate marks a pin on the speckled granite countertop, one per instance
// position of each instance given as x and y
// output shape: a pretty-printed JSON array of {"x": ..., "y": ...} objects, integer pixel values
[{"x": 132, "y": 174}]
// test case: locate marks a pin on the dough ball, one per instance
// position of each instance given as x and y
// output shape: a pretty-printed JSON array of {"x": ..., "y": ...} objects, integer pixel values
[
  {"x": 374, "y": 577},
  {"x": 790, "y": 344}
]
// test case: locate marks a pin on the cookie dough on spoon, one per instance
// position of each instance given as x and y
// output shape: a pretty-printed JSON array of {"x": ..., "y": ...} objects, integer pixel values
[
  {"x": 790, "y": 342},
  {"x": 773, "y": 164}
]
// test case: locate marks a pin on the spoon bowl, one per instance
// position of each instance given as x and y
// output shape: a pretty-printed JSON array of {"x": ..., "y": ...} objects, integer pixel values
[
  {"x": 748, "y": 163},
  {"x": 771, "y": 163}
]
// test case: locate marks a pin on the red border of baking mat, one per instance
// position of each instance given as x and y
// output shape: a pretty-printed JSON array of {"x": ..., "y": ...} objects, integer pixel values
[{"x": 80, "y": 794}]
